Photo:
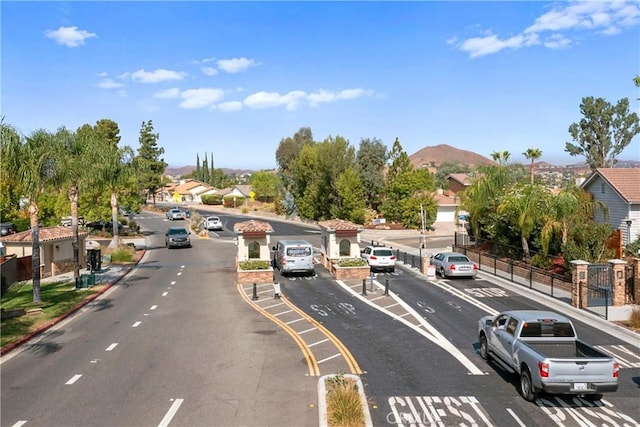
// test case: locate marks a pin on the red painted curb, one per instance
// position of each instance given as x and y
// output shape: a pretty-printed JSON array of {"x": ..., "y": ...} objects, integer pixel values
[{"x": 9, "y": 347}]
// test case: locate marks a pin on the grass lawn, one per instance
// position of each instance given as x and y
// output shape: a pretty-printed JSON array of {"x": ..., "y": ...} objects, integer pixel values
[{"x": 57, "y": 299}]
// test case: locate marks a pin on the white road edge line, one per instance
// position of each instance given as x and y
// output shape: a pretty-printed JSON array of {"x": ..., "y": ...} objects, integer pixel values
[
  {"x": 515, "y": 417},
  {"x": 171, "y": 413},
  {"x": 112, "y": 346},
  {"x": 135, "y": 325},
  {"x": 19, "y": 423}
]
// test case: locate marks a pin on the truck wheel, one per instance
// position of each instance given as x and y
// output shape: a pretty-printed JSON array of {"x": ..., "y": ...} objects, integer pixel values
[
  {"x": 484, "y": 350},
  {"x": 526, "y": 386},
  {"x": 593, "y": 397}
]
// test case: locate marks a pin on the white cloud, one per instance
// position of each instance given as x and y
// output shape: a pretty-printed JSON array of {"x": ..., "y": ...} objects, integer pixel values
[
  {"x": 209, "y": 71},
  {"x": 69, "y": 36},
  {"x": 274, "y": 99},
  {"x": 171, "y": 93},
  {"x": 600, "y": 17},
  {"x": 230, "y": 106},
  {"x": 109, "y": 84},
  {"x": 200, "y": 98},
  {"x": 156, "y": 76},
  {"x": 235, "y": 65}
]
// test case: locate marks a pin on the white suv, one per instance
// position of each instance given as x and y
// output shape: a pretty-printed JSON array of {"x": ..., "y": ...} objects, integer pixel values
[{"x": 379, "y": 258}]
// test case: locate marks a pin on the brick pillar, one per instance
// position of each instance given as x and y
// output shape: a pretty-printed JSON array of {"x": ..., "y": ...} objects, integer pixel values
[
  {"x": 579, "y": 283},
  {"x": 619, "y": 280}
]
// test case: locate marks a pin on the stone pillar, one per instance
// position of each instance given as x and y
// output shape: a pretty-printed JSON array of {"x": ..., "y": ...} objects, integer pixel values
[
  {"x": 618, "y": 287},
  {"x": 579, "y": 283}
]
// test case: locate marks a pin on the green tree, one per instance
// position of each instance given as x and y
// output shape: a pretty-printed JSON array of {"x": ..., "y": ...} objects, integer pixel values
[
  {"x": 205, "y": 169},
  {"x": 448, "y": 168},
  {"x": 604, "y": 131},
  {"x": 10, "y": 141},
  {"x": 149, "y": 162},
  {"x": 32, "y": 162},
  {"x": 287, "y": 153},
  {"x": 501, "y": 157},
  {"x": 532, "y": 154},
  {"x": 399, "y": 161},
  {"x": 266, "y": 185},
  {"x": 351, "y": 202},
  {"x": 371, "y": 161},
  {"x": 405, "y": 193},
  {"x": 522, "y": 206},
  {"x": 197, "y": 174}
]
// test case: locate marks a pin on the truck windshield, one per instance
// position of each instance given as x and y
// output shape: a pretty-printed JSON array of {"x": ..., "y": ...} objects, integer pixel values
[
  {"x": 301, "y": 251},
  {"x": 547, "y": 329}
]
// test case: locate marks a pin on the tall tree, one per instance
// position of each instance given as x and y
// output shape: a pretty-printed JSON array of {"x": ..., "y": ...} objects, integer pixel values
[
  {"x": 10, "y": 142},
  {"x": 398, "y": 161},
  {"x": 114, "y": 167},
  {"x": 351, "y": 200},
  {"x": 265, "y": 184},
  {"x": 371, "y": 160},
  {"x": 32, "y": 162},
  {"x": 288, "y": 151},
  {"x": 501, "y": 157},
  {"x": 149, "y": 162},
  {"x": 532, "y": 154},
  {"x": 198, "y": 173},
  {"x": 604, "y": 131},
  {"x": 211, "y": 172},
  {"x": 205, "y": 169}
]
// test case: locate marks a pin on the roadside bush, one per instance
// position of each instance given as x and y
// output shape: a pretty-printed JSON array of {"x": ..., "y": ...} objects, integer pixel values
[
  {"x": 344, "y": 408},
  {"x": 254, "y": 265},
  {"x": 541, "y": 261},
  {"x": 124, "y": 253},
  {"x": 634, "y": 319},
  {"x": 233, "y": 201},
  {"x": 211, "y": 199},
  {"x": 352, "y": 262},
  {"x": 245, "y": 210}
]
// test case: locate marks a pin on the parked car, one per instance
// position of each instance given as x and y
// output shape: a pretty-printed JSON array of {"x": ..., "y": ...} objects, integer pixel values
[
  {"x": 543, "y": 349},
  {"x": 453, "y": 264},
  {"x": 7, "y": 228},
  {"x": 177, "y": 237},
  {"x": 379, "y": 258},
  {"x": 175, "y": 214},
  {"x": 212, "y": 223}
]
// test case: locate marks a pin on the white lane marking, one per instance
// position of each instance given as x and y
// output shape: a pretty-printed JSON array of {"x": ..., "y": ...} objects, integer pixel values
[
  {"x": 173, "y": 282},
  {"x": 431, "y": 333},
  {"x": 306, "y": 330},
  {"x": 318, "y": 342},
  {"x": 153, "y": 307},
  {"x": 515, "y": 417},
  {"x": 164, "y": 294},
  {"x": 442, "y": 285},
  {"x": 19, "y": 423},
  {"x": 182, "y": 266},
  {"x": 135, "y": 325},
  {"x": 171, "y": 413},
  {"x": 112, "y": 346},
  {"x": 329, "y": 358},
  {"x": 283, "y": 312},
  {"x": 179, "y": 273},
  {"x": 294, "y": 321},
  {"x": 274, "y": 305},
  {"x": 73, "y": 379}
]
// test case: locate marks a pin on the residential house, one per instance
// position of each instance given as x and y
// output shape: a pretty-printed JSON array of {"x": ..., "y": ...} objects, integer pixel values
[
  {"x": 56, "y": 249},
  {"x": 619, "y": 189},
  {"x": 458, "y": 182}
]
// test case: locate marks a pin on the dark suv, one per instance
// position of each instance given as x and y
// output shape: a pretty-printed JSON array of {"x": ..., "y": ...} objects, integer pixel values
[{"x": 7, "y": 228}]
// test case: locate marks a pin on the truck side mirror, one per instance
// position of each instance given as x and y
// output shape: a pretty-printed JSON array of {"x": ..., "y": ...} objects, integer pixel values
[{"x": 488, "y": 322}]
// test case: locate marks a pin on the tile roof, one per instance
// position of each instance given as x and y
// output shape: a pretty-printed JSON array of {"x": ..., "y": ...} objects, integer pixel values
[
  {"x": 252, "y": 226},
  {"x": 625, "y": 181},
  {"x": 462, "y": 178},
  {"x": 339, "y": 224},
  {"x": 47, "y": 234}
]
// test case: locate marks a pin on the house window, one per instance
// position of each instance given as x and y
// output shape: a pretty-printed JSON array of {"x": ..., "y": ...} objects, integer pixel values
[
  {"x": 602, "y": 188},
  {"x": 254, "y": 250},
  {"x": 345, "y": 247}
]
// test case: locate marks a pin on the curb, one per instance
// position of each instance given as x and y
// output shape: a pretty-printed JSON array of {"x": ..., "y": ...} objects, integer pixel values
[{"x": 10, "y": 347}]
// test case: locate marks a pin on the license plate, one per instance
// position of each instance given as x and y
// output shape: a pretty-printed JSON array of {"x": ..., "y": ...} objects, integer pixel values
[{"x": 580, "y": 386}]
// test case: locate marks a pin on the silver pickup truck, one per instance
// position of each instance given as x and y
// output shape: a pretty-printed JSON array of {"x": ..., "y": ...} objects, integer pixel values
[{"x": 542, "y": 347}]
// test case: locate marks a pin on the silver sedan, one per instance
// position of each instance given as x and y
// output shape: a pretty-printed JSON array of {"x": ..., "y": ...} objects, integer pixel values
[{"x": 453, "y": 264}]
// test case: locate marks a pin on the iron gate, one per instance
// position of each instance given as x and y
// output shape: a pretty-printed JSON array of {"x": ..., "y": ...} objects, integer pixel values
[
  {"x": 630, "y": 283},
  {"x": 599, "y": 287}
]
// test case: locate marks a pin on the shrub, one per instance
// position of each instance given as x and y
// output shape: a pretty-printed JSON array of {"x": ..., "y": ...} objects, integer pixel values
[
  {"x": 254, "y": 265},
  {"x": 124, "y": 253},
  {"x": 541, "y": 261},
  {"x": 211, "y": 199},
  {"x": 634, "y": 319},
  {"x": 344, "y": 408},
  {"x": 352, "y": 262},
  {"x": 245, "y": 210}
]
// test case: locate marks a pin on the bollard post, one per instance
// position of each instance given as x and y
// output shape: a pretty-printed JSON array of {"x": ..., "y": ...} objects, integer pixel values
[
  {"x": 255, "y": 292},
  {"x": 276, "y": 290},
  {"x": 371, "y": 287},
  {"x": 386, "y": 286},
  {"x": 364, "y": 287}
]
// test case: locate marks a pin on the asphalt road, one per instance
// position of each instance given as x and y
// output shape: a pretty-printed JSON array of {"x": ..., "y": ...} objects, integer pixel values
[{"x": 175, "y": 344}]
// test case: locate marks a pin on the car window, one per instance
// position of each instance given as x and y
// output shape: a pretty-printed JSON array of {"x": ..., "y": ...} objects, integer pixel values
[
  {"x": 177, "y": 231},
  {"x": 383, "y": 252},
  {"x": 512, "y": 325},
  {"x": 439, "y": 257},
  {"x": 303, "y": 251},
  {"x": 458, "y": 259}
]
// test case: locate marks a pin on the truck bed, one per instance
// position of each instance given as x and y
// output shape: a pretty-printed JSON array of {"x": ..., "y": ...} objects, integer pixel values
[{"x": 565, "y": 350}]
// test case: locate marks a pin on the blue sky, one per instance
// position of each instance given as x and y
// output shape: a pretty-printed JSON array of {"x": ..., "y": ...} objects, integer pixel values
[{"x": 234, "y": 78}]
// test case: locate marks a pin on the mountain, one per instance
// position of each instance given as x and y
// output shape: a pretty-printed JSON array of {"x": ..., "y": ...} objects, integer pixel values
[
  {"x": 437, "y": 155},
  {"x": 184, "y": 170}
]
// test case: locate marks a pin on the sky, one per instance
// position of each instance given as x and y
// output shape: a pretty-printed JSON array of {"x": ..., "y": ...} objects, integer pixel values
[{"x": 232, "y": 79}]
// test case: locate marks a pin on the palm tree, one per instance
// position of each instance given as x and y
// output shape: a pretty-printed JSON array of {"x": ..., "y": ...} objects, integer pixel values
[
  {"x": 502, "y": 157},
  {"x": 76, "y": 157},
  {"x": 533, "y": 154},
  {"x": 32, "y": 162}
]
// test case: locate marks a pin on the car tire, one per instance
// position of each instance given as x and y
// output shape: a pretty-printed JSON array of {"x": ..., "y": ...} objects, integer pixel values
[
  {"x": 442, "y": 272},
  {"x": 484, "y": 348},
  {"x": 527, "y": 389},
  {"x": 593, "y": 397}
]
